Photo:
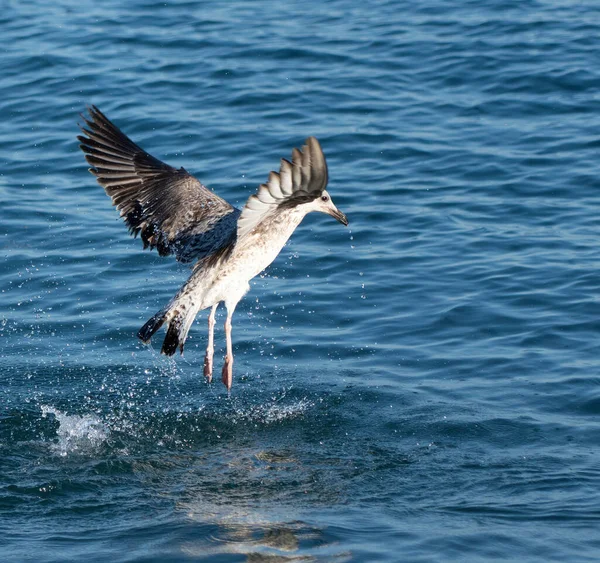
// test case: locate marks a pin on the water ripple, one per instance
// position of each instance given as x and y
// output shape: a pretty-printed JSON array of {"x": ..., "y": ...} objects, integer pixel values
[{"x": 424, "y": 383}]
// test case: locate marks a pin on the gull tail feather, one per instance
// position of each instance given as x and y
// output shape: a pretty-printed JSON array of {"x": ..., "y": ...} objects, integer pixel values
[
  {"x": 179, "y": 317},
  {"x": 152, "y": 325}
]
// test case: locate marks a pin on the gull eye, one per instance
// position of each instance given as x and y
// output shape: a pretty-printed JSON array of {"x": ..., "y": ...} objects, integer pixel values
[{"x": 324, "y": 198}]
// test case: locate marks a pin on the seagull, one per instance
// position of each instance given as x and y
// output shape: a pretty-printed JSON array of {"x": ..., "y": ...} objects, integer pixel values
[{"x": 175, "y": 213}]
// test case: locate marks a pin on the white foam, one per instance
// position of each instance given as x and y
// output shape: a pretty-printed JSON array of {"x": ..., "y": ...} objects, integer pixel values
[{"x": 77, "y": 433}]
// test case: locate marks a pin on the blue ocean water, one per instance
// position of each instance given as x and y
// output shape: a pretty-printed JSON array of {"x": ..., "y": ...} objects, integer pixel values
[{"x": 423, "y": 386}]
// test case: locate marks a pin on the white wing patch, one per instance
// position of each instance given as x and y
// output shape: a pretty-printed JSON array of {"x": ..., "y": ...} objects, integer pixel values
[{"x": 299, "y": 181}]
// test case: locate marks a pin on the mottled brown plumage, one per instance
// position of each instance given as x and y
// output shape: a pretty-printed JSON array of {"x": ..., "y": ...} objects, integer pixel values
[
  {"x": 174, "y": 213},
  {"x": 169, "y": 208}
]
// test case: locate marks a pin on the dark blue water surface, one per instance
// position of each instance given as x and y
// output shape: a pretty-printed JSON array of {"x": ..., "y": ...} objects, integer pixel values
[{"x": 422, "y": 386}]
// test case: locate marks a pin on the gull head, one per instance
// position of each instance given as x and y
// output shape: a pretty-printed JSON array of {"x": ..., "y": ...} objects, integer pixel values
[{"x": 324, "y": 204}]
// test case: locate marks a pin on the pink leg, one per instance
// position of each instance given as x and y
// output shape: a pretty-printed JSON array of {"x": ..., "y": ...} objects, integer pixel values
[
  {"x": 227, "y": 374},
  {"x": 208, "y": 359}
]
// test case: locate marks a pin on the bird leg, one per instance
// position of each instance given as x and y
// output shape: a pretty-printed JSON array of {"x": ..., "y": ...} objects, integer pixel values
[
  {"x": 227, "y": 374},
  {"x": 208, "y": 359}
]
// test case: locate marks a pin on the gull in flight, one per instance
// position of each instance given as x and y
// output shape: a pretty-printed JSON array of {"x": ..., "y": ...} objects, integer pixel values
[{"x": 174, "y": 213}]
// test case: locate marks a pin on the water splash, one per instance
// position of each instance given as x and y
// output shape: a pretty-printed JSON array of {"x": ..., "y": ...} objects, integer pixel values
[
  {"x": 77, "y": 433},
  {"x": 274, "y": 412}
]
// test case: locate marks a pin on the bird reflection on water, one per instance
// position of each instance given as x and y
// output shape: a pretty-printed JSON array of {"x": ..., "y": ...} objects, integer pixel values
[{"x": 242, "y": 521}]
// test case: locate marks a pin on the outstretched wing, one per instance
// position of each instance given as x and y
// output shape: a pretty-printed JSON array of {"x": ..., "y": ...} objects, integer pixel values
[
  {"x": 299, "y": 181},
  {"x": 169, "y": 208}
]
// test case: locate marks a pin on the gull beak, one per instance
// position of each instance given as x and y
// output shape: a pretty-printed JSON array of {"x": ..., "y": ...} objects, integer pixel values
[{"x": 341, "y": 217}]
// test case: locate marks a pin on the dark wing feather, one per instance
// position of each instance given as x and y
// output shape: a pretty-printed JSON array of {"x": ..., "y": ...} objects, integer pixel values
[
  {"x": 299, "y": 181},
  {"x": 169, "y": 208}
]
